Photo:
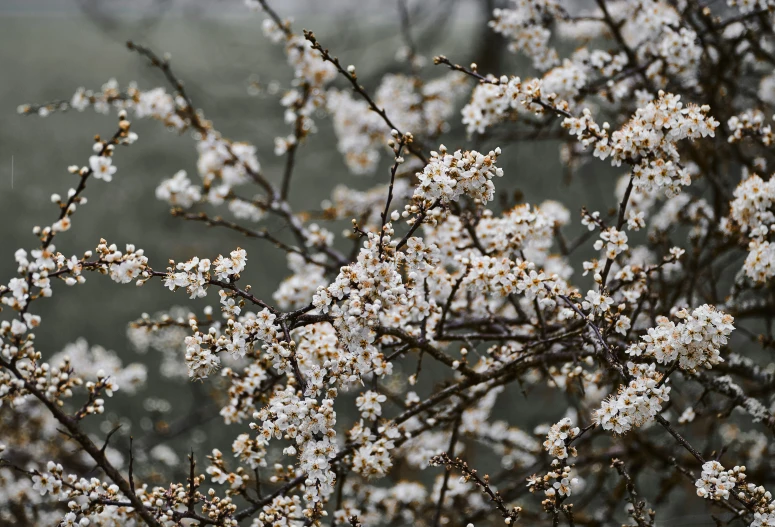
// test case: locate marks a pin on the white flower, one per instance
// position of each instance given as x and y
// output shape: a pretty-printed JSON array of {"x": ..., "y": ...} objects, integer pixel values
[
  {"x": 369, "y": 404},
  {"x": 178, "y": 191},
  {"x": 102, "y": 167},
  {"x": 597, "y": 303}
]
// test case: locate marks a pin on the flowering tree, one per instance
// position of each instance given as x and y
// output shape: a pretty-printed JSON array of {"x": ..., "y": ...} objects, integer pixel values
[{"x": 636, "y": 342}]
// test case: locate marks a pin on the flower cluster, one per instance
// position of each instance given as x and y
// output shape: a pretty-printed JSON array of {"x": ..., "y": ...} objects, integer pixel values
[
  {"x": 447, "y": 177},
  {"x": 414, "y": 107},
  {"x": 751, "y": 213},
  {"x": 123, "y": 267},
  {"x": 613, "y": 241},
  {"x": 369, "y": 404},
  {"x": 648, "y": 140},
  {"x": 195, "y": 275},
  {"x": 751, "y": 123},
  {"x": 178, "y": 191},
  {"x": 694, "y": 342},
  {"x": 297, "y": 290},
  {"x": 311, "y": 75},
  {"x": 557, "y": 484},
  {"x": 173, "y": 111},
  {"x": 636, "y": 403},
  {"x": 716, "y": 482},
  {"x": 759, "y": 265},
  {"x": 524, "y": 26},
  {"x": 751, "y": 207},
  {"x": 560, "y": 434},
  {"x": 372, "y": 459},
  {"x": 494, "y": 100},
  {"x": 749, "y": 6}
]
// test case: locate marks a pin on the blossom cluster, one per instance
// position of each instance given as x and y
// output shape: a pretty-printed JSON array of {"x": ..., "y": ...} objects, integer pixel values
[
  {"x": 560, "y": 434},
  {"x": 414, "y": 107},
  {"x": 647, "y": 141},
  {"x": 195, "y": 274},
  {"x": 751, "y": 212},
  {"x": 694, "y": 342},
  {"x": 636, "y": 403},
  {"x": 447, "y": 177},
  {"x": 716, "y": 482},
  {"x": 494, "y": 100},
  {"x": 523, "y": 25}
]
